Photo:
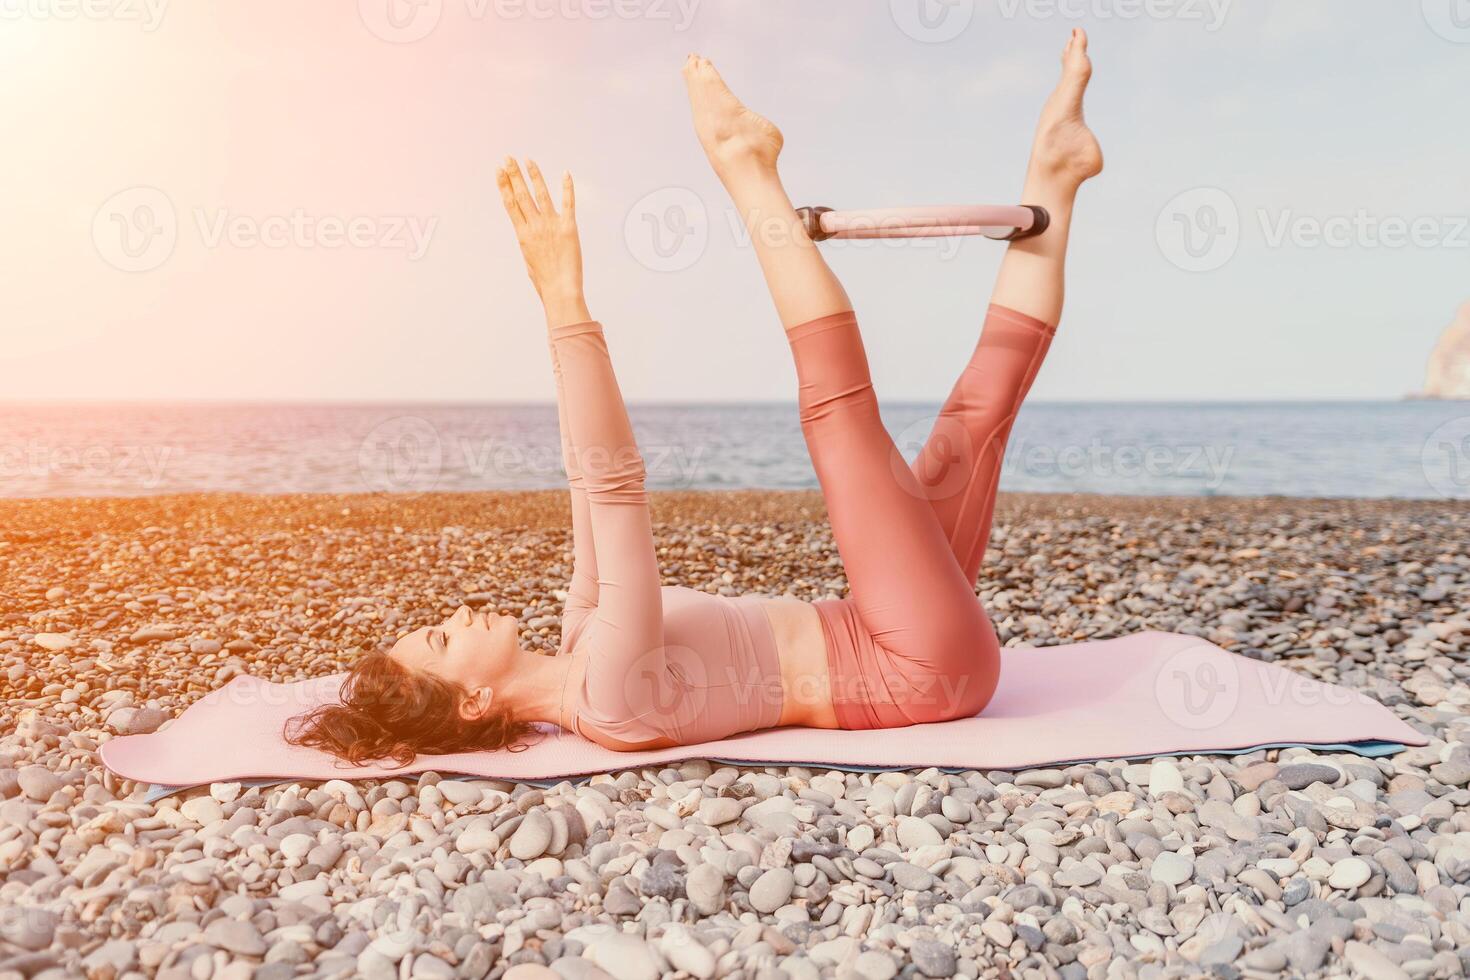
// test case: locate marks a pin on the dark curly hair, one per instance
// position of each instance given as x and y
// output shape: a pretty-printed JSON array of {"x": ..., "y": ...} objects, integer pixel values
[{"x": 388, "y": 711}]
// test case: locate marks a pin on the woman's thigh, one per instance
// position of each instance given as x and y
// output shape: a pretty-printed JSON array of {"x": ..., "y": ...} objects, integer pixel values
[{"x": 905, "y": 583}]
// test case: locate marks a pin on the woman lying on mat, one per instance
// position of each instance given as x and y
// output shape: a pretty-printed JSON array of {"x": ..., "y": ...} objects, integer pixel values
[{"x": 645, "y": 667}]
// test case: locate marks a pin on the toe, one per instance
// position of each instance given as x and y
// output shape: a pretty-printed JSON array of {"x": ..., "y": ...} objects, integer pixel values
[
  {"x": 1076, "y": 55},
  {"x": 1076, "y": 66}
]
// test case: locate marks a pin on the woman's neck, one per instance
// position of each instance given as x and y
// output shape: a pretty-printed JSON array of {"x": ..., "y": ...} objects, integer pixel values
[{"x": 542, "y": 688}]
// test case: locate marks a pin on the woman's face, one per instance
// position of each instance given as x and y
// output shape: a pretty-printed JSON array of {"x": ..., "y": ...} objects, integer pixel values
[{"x": 469, "y": 648}]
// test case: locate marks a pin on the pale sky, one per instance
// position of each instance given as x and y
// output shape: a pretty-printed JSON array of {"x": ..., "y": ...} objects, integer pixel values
[{"x": 149, "y": 148}]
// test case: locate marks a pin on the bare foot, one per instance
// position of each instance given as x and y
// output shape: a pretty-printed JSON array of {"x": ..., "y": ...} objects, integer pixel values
[
  {"x": 1065, "y": 149},
  {"x": 734, "y": 138}
]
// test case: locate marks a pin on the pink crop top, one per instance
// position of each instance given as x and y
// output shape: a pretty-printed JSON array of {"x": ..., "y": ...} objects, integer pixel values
[{"x": 717, "y": 674}]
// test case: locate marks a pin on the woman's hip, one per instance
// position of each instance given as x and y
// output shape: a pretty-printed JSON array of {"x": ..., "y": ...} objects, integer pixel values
[{"x": 933, "y": 671}]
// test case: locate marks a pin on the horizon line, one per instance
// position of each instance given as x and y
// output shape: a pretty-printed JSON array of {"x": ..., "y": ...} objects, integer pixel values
[{"x": 671, "y": 403}]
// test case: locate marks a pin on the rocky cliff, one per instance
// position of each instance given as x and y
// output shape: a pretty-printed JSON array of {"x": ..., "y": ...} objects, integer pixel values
[{"x": 1448, "y": 374}]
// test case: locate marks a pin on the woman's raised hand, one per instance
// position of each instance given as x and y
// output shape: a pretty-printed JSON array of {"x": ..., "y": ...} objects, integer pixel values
[{"x": 548, "y": 238}]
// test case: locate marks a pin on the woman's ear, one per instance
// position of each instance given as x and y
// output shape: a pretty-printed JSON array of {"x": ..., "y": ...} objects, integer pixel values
[{"x": 477, "y": 703}]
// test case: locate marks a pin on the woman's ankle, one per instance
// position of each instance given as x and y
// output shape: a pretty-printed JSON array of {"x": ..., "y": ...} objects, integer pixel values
[
  {"x": 752, "y": 185},
  {"x": 1055, "y": 193}
]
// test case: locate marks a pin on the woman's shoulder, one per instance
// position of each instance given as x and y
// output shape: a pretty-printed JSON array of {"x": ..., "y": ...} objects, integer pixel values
[
  {"x": 621, "y": 734},
  {"x": 627, "y": 741}
]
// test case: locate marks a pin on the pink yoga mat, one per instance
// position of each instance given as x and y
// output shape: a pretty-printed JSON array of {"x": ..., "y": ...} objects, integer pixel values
[{"x": 1141, "y": 695}]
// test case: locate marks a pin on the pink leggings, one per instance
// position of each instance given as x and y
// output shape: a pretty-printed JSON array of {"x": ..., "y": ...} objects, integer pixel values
[{"x": 911, "y": 644}]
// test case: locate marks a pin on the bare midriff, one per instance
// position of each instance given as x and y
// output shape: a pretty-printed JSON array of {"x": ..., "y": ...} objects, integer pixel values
[{"x": 805, "y": 680}]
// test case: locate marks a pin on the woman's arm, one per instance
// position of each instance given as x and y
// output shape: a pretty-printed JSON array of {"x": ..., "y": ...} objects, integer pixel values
[
  {"x": 563, "y": 301},
  {"x": 628, "y": 624},
  {"x": 582, "y": 592}
]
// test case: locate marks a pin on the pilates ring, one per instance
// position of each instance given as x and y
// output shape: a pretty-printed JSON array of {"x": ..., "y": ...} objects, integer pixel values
[{"x": 1001, "y": 222}]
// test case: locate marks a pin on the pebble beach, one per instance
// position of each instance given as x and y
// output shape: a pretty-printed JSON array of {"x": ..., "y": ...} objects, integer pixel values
[{"x": 115, "y": 614}]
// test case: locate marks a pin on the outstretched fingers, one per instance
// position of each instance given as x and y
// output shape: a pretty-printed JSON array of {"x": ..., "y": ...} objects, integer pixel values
[
  {"x": 538, "y": 184},
  {"x": 518, "y": 187},
  {"x": 508, "y": 198},
  {"x": 525, "y": 203},
  {"x": 547, "y": 237}
]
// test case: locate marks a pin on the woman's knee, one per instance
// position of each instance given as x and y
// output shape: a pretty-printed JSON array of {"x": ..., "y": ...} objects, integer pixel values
[
  {"x": 966, "y": 663},
  {"x": 855, "y": 403}
]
